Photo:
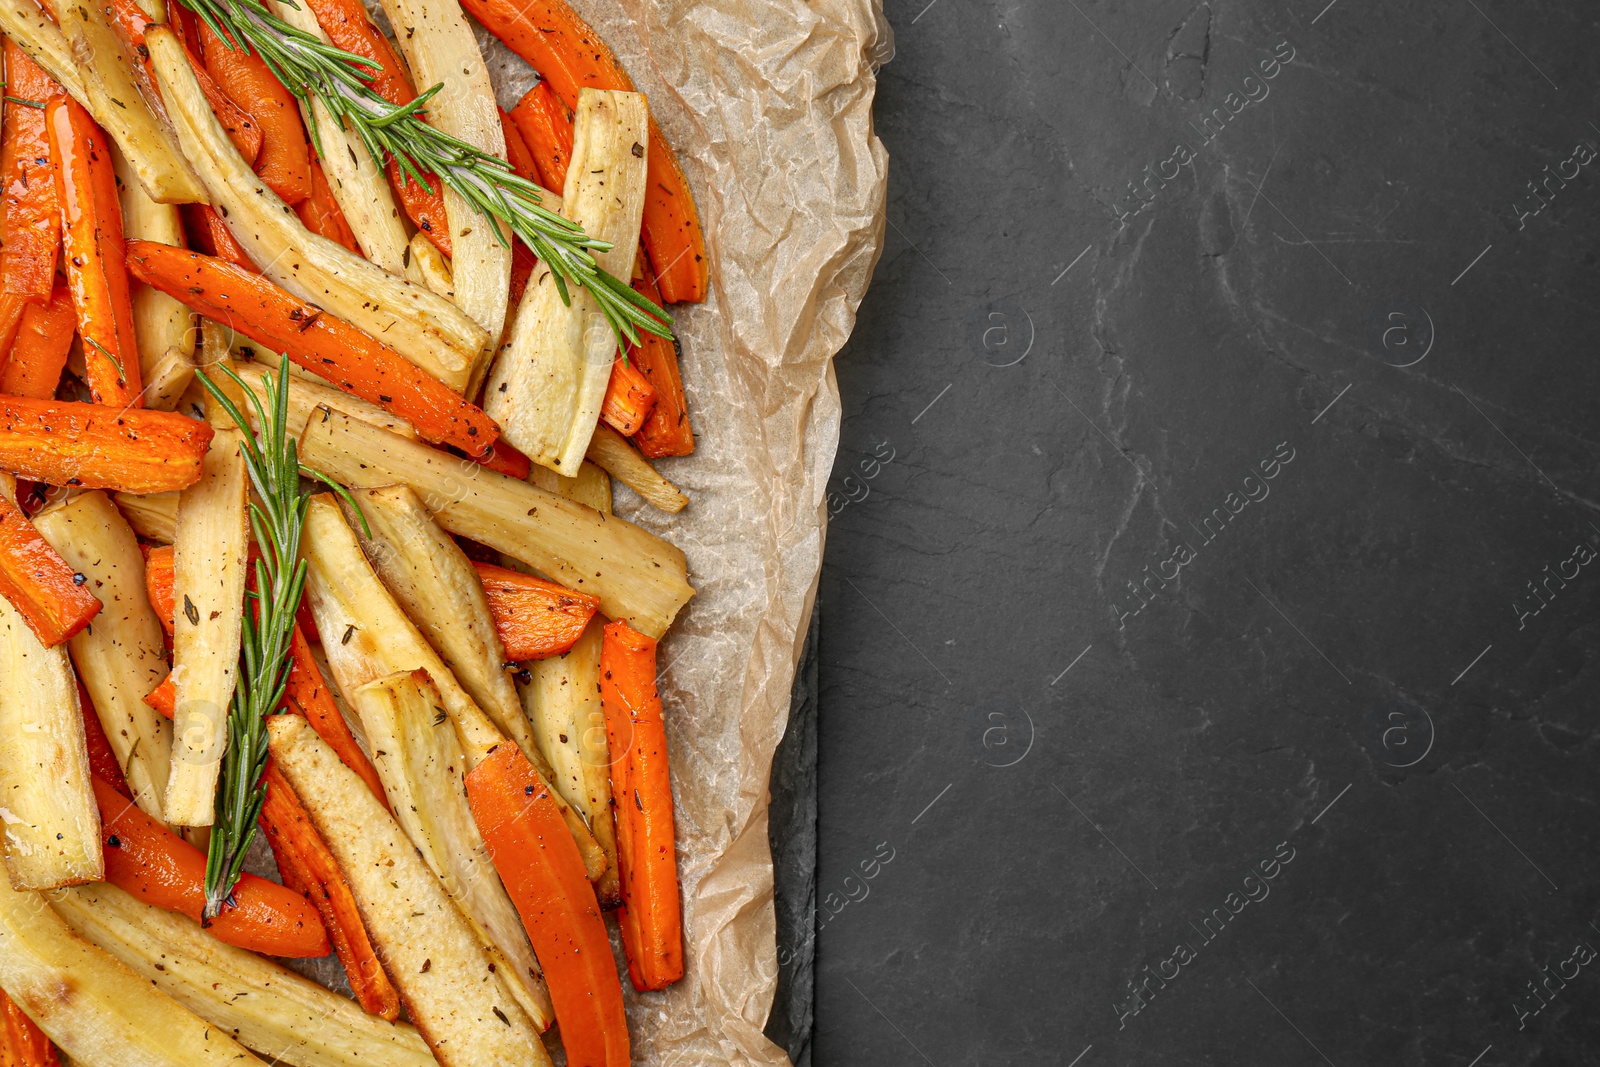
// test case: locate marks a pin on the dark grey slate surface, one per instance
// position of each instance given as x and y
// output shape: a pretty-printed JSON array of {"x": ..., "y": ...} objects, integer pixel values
[{"x": 1319, "y": 377}]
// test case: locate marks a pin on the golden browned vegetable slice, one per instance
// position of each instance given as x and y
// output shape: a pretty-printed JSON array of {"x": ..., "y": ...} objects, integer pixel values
[
  {"x": 359, "y": 185},
  {"x": 591, "y": 486},
  {"x": 212, "y": 549},
  {"x": 428, "y": 947},
  {"x": 549, "y": 379},
  {"x": 153, "y": 516},
  {"x": 438, "y": 588},
  {"x": 122, "y": 656},
  {"x": 51, "y": 825},
  {"x": 87, "y": 57},
  {"x": 426, "y": 265},
  {"x": 266, "y": 1006},
  {"x": 562, "y": 701},
  {"x": 423, "y": 771},
  {"x": 98, "y": 1011},
  {"x": 440, "y": 49},
  {"x": 637, "y": 576},
  {"x": 377, "y": 638},
  {"x": 426, "y": 329},
  {"x": 163, "y": 328},
  {"x": 609, "y": 449}
]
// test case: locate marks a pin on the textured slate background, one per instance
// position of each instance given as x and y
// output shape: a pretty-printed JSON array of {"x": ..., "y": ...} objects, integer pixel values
[{"x": 1031, "y": 796}]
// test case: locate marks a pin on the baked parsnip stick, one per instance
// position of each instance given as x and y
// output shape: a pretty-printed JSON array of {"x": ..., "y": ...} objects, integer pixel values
[
  {"x": 440, "y": 48},
  {"x": 423, "y": 771},
  {"x": 85, "y": 54},
  {"x": 153, "y": 516},
  {"x": 444, "y": 978},
  {"x": 549, "y": 379},
  {"x": 375, "y": 638},
  {"x": 163, "y": 328},
  {"x": 51, "y": 831},
  {"x": 123, "y": 655},
  {"x": 562, "y": 701},
  {"x": 266, "y": 1006},
  {"x": 427, "y": 329},
  {"x": 637, "y": 576},
  {"x": 212, "y": 548},
  {"x": 101, "y": 1013}
]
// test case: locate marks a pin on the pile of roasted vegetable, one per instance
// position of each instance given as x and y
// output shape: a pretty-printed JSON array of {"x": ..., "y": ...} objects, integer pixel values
[{"x": 315, "y": 370}]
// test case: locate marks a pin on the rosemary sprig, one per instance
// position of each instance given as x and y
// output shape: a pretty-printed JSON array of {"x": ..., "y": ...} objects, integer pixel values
[
  {"x": 276, "y": 521},
  {"x": 311, "y": 68}
]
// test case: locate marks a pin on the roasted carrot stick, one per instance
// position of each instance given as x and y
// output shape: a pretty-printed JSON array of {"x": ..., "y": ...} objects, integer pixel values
[
  {"x": 522, "y": 264},
  {"x": 538, "y": 861},
  {"x": 546, "y": 127},
  {"x": 39, "y": 350},
  {"x": 131, "y": 23},
  {"x": 505, "y": 459},
  {"x": 164, "y": 697},
  {"x": 647, "y": 858},
  {"x": 90, "y": 446},
  {"x": 307, "y": 865},
  {"x": 517, "y": 153},
  {"x": 52, "y": 600},
  {"x": 207, "y": 232},
  {"x": 347, "y": 26},
  {"x": 569, "y": 56},
  {"x": 321, "y": 214},
  {"x": 22, "y": 1040},
  {"x": 160, "y": 578},
  {"x": 161, "y": 868},
  {"x": 284, "y": 162},
  {"x": 629, "y": 397},
  {"x": 666, "y": 432},
  {"x": 534, "y": 618},
  {"x": 92, "y": 241},
  {"x": 102, "y": 761},
  {"x": 32, "y": 220},
  {"x": 360, "y": 365}
]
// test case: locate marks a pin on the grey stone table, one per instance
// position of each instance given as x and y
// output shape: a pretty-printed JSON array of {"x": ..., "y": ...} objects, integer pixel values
[{"x": 1207, "y": 664}]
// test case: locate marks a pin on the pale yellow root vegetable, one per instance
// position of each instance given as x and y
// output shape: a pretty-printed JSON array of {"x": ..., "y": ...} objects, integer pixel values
[
  {"x": 426, "y": 265},
  {"x": 436, "y": 959},
  {"x": 591, "y": 486},
  {"x": 639, "y": 577},
  {"x": 153, "y": 516},
  {"x": 49, "y": 824},
  {"x": 265, "y": 1006},
  {"x": 359, "y": 185},
  {"x": 423, "y": 771},
  {"x": 88, "y": 58},
  {"x": 217, "y": 359},
  {"x": 163, "y": 328},
  {"x": 424, "y": 328},
  {"x": 609, "y": 449},
  {"x": 89, "y": 1003},
  {"x": 209, "y": 572},
  {"x": 439, "y": 590},
  {"x": 437, "y": 587},
  {"x": 549, "y": 379},
  {"x": 37, "y": 34},
  {"x": 440, "y": 48},
  {"x": 122, "y": 655},
  {"x": 365, "y": 633},
  {"x": 562, "y": 700},
  {"x": 306, "y": 396}
]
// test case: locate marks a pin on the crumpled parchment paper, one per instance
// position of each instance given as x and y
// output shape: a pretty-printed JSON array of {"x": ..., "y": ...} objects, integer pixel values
[{"x": 769, "y": 106}]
